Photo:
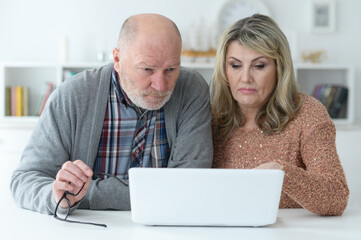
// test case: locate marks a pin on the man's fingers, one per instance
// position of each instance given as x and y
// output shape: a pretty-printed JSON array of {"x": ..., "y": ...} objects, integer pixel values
[
  {"x": 85, "y": 168},
  {"x": 74, "y": 169},
  {"x": 63, "y": 186},
  {"x": 68, "y": 177},
  {"x": 71, "y": 177}
]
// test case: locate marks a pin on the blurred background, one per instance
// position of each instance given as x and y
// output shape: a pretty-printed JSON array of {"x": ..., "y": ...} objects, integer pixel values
[
  {"x": 34, "y": 30},
  {"x": 79, "y": 32}
]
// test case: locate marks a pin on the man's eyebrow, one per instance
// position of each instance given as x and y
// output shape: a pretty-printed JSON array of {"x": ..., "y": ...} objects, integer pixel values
[
  {"x": 176, "y": 64},
  {"x": 145, "y": 64}
]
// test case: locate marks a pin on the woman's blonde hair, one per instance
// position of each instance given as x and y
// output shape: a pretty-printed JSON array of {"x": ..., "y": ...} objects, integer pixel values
[{"x": 261, "y": 34}]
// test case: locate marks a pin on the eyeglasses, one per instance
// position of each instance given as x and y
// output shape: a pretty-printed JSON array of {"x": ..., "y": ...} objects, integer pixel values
[{"x": 67, "y": 214}]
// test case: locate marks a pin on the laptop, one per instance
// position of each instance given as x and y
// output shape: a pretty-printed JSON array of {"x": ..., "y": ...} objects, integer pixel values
[{"x": 205, "y": 197}]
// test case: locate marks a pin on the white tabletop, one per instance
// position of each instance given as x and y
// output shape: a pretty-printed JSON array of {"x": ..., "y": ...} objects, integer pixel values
[{"x": 292, "y": 224}]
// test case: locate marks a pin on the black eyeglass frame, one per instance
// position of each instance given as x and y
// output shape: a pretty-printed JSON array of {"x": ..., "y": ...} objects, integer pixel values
[{"x": 67, "y": 214}]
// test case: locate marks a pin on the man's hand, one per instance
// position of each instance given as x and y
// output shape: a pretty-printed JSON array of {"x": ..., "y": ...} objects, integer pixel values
[{"x": 71, "y": 178}]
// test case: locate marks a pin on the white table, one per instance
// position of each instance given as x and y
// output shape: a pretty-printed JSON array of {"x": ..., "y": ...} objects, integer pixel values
[{"x": 292, "y": 224}]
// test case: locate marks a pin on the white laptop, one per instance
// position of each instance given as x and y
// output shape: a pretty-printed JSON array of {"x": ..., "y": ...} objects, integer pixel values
[{"x": 205, "y": 197}]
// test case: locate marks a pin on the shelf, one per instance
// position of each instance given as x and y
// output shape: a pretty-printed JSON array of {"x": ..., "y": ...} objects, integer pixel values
[
  {"x": 32, "y": 76},
  {"x": 18, "y": 122},
  {"x": 205, "y": 65},
  {"x": 311, "y": 75},
  {"x": 35, "y": 75},
  {"x": 83, "y": 65},
  {"x": 321, "y": 66},
  {"x": 348, "y": 127}
]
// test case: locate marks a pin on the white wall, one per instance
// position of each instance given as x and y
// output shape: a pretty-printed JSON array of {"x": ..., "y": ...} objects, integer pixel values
[
  {"x": 30, "y": 30},
  {"x": 349, "y": 151}
]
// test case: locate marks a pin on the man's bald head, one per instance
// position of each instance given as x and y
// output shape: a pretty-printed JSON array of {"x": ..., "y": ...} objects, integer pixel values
[
  {"x": 147, "y": 59},
  {"x": 150, "y": 25}
]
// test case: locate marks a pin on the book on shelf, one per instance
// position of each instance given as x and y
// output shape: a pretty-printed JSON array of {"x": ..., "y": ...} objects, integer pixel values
[
  {"x": 48, "y": 88},
  {"x": 339, "y": 104},
  {"x": 13, "y": 101},
  {"x": 19, "y": 101},
  {"x": 317, "y": 91},
  {"x": 333, "y": 97},
  {"x": 7, "y": 101},
  {"x": 25, "y": 101},
  {"x": 67, "y": 74},
  {"x": 16, "y": 101}
]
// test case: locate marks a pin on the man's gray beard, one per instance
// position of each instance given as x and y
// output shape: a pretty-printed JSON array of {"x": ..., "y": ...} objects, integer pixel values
[{"x": 139, "y": 100}]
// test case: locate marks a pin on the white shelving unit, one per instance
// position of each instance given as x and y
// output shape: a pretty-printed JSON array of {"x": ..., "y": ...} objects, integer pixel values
[
  {"x": 31, "y": 75},
  {"x": 310, "y": 75},
  {"x": 206, "y": 69},
  {"x": 75, "y": 68},
  {"x": 35, "y": 75}
]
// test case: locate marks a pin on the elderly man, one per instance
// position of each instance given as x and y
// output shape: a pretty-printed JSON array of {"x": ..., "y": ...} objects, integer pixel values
[{"x": 145, "y": 110}]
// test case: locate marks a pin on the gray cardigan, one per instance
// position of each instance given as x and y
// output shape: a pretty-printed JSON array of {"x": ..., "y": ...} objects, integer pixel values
[{"x": 70, "y": 129}]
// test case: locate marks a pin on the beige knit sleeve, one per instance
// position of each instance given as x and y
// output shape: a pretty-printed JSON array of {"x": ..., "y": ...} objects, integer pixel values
[{"x": 321, "y": 187}]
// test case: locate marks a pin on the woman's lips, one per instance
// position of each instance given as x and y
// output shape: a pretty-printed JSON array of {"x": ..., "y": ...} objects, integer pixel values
[{"x": 247, "y": 90}]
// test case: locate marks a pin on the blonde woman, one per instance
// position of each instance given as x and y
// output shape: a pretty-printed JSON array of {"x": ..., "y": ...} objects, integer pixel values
[{"x": 261, "y": 120}]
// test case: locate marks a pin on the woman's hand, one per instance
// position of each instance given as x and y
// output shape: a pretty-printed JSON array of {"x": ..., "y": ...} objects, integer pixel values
[{"x": 270, "y": 165}]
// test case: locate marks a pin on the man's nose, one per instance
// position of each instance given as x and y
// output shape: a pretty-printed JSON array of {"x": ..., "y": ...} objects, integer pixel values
[{"x": 159, "y": 82}]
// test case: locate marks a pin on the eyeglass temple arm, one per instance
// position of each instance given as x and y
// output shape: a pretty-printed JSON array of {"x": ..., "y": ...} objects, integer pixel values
[{"x": 67, "y": 214}]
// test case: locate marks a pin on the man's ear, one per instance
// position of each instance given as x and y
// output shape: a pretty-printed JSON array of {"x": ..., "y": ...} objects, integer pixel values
[{"x": 116, "y": 58}]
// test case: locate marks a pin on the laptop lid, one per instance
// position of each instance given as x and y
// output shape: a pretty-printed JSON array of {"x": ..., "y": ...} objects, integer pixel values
[{"x": 205, "y": 197}]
